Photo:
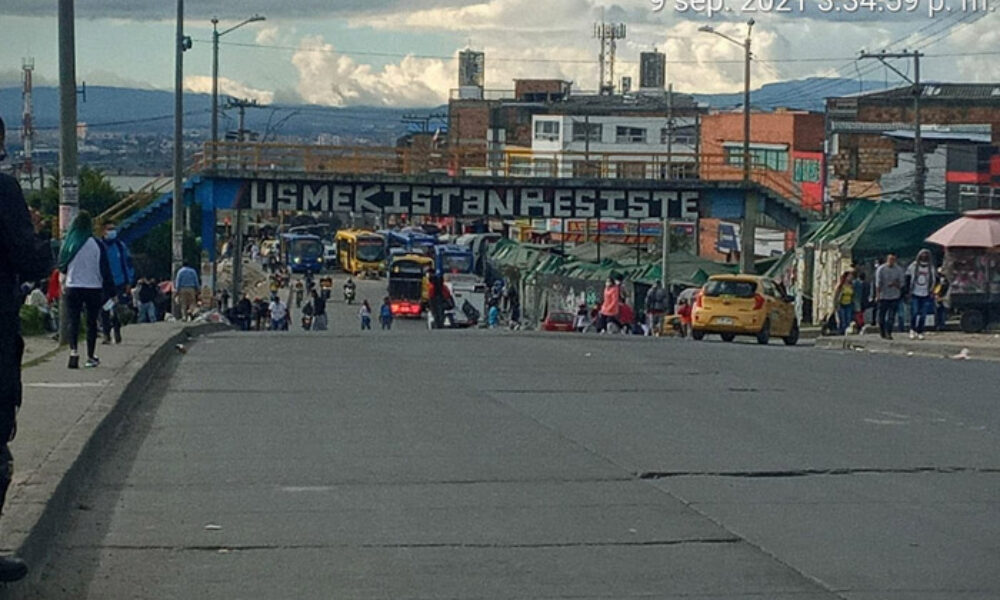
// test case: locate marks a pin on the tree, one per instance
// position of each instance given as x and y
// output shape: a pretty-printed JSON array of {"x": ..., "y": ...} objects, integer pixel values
[{"x": 96, "y": 194}]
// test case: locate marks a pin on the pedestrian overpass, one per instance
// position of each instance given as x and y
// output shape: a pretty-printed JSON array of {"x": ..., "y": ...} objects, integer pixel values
[{"x": 402, "y": 181}]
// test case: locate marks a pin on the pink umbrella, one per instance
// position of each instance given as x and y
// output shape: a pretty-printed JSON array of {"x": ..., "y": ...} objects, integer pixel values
[{"x": 976, "y": 229}]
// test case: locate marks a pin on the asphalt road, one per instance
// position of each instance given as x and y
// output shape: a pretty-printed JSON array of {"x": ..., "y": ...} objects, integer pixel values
[{"x": 474, "y": 464}]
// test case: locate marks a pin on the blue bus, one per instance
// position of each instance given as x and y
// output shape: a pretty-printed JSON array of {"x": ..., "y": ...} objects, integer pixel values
[
  {"x": 409, "y": 241},
  {"x": 453, "y": 259},
  {"x": 302, "y": 252}
]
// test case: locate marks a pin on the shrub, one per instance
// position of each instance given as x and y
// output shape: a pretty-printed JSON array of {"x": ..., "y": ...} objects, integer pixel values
[{"x": 32, "y": 320}]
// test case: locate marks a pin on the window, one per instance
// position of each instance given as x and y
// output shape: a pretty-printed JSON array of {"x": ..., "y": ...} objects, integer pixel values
[
  {"x": 683, "y": 136},
  {"x": 631, "y": 170},
  {"x": 806, "y": 170},
  {"x": 685, "y": 170},
  {"x": 583, "y": 168},
  {"x": 630, "y": 135},
  {"x": 583, "y": 132},
  {"x": 547, "y": 131},
  {"x": 730, "y": 287},
  {"x": 771, "y": 159}
]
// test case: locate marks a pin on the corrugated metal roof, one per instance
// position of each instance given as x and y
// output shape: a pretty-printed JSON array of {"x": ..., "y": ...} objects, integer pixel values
[{"x": 937, "y": 91}]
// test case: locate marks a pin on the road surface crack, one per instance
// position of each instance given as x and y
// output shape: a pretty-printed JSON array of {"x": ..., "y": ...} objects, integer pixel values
[{"x": 816, "y": 472}]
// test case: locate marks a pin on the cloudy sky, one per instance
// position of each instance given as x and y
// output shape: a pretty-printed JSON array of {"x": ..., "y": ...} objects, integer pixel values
[{"x": 401, "y": 52}]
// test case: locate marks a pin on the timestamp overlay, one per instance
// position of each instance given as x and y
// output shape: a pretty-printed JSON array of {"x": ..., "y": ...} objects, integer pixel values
[{"x": 929, "y": 8}]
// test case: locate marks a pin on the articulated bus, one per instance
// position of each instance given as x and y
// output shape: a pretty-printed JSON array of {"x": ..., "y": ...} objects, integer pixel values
[
  {"x": 359, "y": 250},
  {"x": 406, "y": 283},
  {"x": 302, "y": 253}
]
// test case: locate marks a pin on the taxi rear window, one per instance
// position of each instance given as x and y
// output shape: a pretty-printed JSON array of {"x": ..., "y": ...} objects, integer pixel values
[{"x": 728, "y": 287}]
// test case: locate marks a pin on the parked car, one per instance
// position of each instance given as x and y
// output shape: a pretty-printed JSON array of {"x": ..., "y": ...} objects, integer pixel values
[
  {"x": 732, "y": 305},
  {"x": 558, "y": 321}
]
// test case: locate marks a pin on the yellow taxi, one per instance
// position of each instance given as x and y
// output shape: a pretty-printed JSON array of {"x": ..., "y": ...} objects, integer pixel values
[{"x": 732, "y": 305}]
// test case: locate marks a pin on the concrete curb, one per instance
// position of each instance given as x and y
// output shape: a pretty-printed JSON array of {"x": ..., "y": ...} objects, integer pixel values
[
  {"x": 907, "y": 347},
  {"x": 45, "y": 508}
]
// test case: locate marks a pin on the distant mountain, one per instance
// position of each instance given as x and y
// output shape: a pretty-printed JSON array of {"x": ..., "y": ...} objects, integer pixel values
[
  {"x": 807, "y": 94},
  {"x": 124, "y": 110}
]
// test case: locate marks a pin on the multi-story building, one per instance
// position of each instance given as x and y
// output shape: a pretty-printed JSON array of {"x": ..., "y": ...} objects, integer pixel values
[
  {"x": 786, "y": 149},
  {"x": 872, "y": 150}
]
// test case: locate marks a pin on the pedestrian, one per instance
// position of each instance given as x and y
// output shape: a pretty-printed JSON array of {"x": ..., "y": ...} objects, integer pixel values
[
  {"x": 22, "y": 259},
  {"x": 123, "y": 273},
  {"x": 844, "y": 298},
  {"x": 366, "y": 315},
  {"x": 493, "y": 315},
  {"x": 656, "y": 306},
  {"x": 244, "y": 309},
  {"x": 89, "y": 284},
  {"x": 942, "y": 300},
  {"x": 147, "y": 301},
  {"x": 684, "y": 314},
  {"x": 862, "y": 302},
  {"x": 582, "y": 319},
  {"x": 385, "y": 314},
  {"x": 436, "y": 299},
  {"x": 889, "y": 281},
  {"x": 186, "y": 287},
  {"x": 319, "y": 311},
  {"x": 921, "y": 279},
  {"x": 279, "y": 314},
  {"x": 260, "y": 314},
  {"x": 611, "y": 307}
]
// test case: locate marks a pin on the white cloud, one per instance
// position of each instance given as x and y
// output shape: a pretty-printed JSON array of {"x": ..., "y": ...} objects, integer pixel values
[
  {"x": 268, "y": 35},
  {"x": 202, "y": 84},
  {"x": 336, "y": 80}
]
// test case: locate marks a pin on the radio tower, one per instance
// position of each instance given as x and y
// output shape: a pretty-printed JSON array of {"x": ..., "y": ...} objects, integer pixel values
[
  {"x": 608, "y": 34},
  {"x": 27, "y": 124}
]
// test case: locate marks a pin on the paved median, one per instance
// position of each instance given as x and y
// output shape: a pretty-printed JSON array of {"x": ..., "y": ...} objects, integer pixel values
[{"x": 68, "y": 417}]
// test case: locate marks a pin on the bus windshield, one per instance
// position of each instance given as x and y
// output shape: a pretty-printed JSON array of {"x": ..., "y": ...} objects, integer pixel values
[
  {"x": 408, "y": 267},
  {"x": 371, "y": 250},
  {"x": 307, "y": 250},
  {"x": 456, "y": 263}
]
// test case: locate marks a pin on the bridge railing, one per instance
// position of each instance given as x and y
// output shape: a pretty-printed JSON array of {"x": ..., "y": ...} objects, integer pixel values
[{"x": 471, "y": 161}]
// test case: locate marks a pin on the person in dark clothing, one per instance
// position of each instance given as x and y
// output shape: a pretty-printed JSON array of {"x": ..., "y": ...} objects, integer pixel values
[
  {"x": 319, "y": 322},
  {"x": 243, "y": 311},
  {"x": 147, "y": 301},
  {"x": 22, "y": 259},
  {"x": 436, "y": 300}
]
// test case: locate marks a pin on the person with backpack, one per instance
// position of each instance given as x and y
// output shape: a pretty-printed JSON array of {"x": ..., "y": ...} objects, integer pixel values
[
  {"x": 123, "y": 274},
  {"x": 23, "y": 258},
  {"x": 147, "y": 301},
  {"x": 656, "y": 306}
]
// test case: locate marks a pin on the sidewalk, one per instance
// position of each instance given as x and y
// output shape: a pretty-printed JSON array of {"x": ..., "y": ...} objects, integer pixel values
[
  {"x": 66, "y": 419},
  {"x": 945, "y": 344}
]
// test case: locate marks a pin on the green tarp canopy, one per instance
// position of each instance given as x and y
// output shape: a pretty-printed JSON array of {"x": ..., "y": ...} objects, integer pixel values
[{"x": 874, "y": 229}]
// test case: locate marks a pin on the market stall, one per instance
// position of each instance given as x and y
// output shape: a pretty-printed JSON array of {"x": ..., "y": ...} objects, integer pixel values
[{"x": 972, "y": 265}]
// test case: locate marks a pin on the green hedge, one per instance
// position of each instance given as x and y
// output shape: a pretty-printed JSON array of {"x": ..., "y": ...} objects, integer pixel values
[{"x": 32, "y": 320}]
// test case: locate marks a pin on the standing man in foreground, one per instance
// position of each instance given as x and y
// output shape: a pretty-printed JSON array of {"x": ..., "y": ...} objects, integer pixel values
[
  {"x": 888, "y": 291},
  {"x": 22, "y": 259}
]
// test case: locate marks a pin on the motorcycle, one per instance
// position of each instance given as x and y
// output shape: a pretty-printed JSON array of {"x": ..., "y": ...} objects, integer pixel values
[{"x": 299, "y": 292}]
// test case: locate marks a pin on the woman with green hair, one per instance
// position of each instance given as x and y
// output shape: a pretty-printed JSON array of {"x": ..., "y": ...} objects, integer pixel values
[{"x": 83, "y": 259}]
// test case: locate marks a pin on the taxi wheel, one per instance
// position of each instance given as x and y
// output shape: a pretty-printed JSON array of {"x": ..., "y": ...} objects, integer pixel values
[
  {"x": 793, "y": 336},
  {"x": 765, "y": 333},
  {"x": 697, "y": 335},
  {"x": 728, "y": 337}
]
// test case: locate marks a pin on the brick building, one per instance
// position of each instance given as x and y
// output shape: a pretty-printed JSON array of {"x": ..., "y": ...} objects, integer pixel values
[
  {"x": 872, "y": 142},
  {"x": 786, "y": 144}
]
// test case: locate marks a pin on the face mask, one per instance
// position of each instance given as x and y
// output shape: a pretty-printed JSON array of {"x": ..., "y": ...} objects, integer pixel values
[{"x": 111, "y": 234}]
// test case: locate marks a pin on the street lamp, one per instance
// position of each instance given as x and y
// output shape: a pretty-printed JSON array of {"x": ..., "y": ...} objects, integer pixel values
[
  {"x": 750, "y": 200},
  {"x": 216, "y": 34}
]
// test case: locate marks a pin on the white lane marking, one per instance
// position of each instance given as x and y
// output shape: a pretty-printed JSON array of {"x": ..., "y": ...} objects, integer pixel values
[
  {"x": 100, "y": 383},
  {"x": 885, "y": 422},
  {"x": 307, "y": 488}
]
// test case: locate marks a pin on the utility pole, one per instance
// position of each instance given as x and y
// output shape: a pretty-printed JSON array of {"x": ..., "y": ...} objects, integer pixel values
[
  {"x": 215, "y": 131},
  {"x": 241, "y": 106},
  {"x": 920, "y": 172},
  {"x": 69, "y": 185},
  {"x": 181, "y": 43},
  {"x": 665, "y": 233}
]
